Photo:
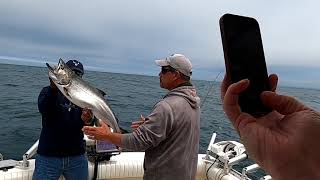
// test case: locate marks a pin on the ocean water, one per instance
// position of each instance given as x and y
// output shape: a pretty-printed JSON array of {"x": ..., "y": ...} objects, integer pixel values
[{"x": 128, "y": 95}]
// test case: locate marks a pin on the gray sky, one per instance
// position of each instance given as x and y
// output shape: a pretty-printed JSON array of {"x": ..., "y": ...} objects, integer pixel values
[{"x": 126, "y": 36}]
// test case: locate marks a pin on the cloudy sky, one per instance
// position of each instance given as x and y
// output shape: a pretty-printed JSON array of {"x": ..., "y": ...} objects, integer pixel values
[{"x": 126, "y": 36}]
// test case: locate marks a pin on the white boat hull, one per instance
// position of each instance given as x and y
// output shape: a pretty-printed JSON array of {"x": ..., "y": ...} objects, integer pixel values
[
  {"x": 217, "y": 164},
  {"x": 127, "y": 165}
]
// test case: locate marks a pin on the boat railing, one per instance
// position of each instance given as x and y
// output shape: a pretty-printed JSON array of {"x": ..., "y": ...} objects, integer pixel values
[{"x": 29, "y": 154}]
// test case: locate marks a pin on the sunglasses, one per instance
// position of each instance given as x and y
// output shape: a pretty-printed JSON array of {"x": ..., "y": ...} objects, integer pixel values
[{"x": 165, "y": 69}]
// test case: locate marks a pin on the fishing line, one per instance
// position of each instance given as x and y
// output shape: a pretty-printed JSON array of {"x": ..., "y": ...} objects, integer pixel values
[{"x": 211, "y": 87}]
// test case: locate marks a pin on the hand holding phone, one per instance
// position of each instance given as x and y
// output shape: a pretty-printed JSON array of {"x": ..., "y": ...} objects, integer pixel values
[{"x": 244, "y": 59}]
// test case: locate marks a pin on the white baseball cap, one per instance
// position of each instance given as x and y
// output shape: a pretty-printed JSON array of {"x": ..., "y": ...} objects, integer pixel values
[{"x": 178, "y": 62}]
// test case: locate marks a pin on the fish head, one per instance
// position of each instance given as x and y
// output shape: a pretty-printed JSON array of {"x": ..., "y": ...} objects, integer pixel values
[{"x": 60, "y": 74}]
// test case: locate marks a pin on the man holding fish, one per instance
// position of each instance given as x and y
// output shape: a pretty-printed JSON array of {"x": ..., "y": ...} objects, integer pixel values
[{"x": 61, "y": 149}]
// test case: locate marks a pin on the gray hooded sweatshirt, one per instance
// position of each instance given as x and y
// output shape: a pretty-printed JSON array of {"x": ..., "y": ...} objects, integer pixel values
[{"x": 169, "y": 137}]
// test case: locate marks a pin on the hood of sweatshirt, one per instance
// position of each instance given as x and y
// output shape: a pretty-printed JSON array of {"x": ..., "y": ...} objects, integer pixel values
[{"x": 189, "y": 93}]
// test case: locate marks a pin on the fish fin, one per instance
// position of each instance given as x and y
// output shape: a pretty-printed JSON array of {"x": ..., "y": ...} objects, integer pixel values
[
  {"x": 66, "y": 91},
  {"x": 101, "y": 92},
  {"x": 60, "y": 59}
]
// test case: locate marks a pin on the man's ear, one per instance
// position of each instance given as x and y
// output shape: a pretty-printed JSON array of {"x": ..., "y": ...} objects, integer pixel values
[{"x": 178, "y": 74}]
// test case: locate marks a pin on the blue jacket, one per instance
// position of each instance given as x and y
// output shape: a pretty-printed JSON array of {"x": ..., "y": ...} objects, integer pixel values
[{"x": 61, "y": 133}]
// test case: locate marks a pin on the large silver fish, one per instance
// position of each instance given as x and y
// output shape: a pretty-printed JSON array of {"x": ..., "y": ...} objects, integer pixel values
[{"x": 81, "y": 93}]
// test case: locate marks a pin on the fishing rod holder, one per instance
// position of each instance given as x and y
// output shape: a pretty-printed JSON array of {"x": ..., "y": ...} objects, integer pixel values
[
  {"x": 229, "y": 162},
  {"x": 29, "y": 154},
  {"x": 225, "y": 153},
  {"x": 249, "y": 169}
]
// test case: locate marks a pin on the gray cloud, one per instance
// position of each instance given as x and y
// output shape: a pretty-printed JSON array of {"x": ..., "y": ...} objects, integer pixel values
[{"x": 126, "y": 36}]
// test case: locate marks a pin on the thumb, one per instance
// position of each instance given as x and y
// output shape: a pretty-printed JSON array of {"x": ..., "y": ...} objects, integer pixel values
[
  {"x": 102, "y": 124},
  {"x": 283, "y": 104}
]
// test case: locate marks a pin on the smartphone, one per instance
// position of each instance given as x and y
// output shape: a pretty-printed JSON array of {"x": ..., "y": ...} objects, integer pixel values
[{"x": 244, "y": 59}]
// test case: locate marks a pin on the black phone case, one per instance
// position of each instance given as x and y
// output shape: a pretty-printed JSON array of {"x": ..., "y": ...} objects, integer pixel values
[{"x": 244, "y": 59}]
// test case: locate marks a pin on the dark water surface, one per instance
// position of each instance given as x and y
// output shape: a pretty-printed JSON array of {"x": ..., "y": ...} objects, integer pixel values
[{"x": 128, "y": 95}]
